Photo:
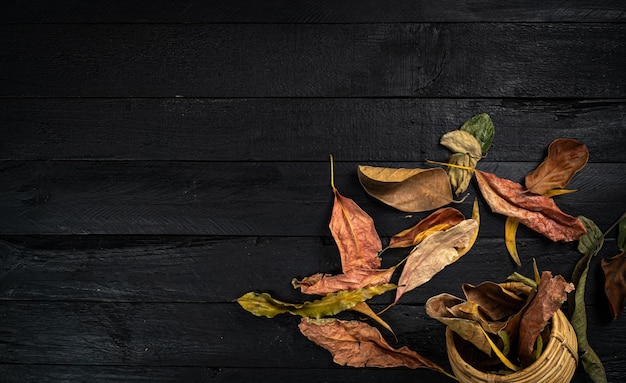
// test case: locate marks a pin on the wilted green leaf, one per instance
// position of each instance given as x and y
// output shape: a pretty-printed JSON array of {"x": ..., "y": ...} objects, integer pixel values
[
  {"x": 589, "y": 244},
  {"x": 481, "y": 127},
  {"x": 264, "y": 305}
]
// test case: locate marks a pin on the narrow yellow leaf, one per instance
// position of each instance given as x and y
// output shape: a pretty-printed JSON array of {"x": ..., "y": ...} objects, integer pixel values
[
  {"x": 510, "y": 230},
  {"x": 555, "y": 192},
  {"x": 499, "y": 353},
  {"x": 423, "y": 234},
  {"x": 536, "y": 271},
  {"x": 365, "y": 309}
]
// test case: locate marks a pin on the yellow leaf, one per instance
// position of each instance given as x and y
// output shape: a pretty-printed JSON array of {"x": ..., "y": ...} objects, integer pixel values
[
  {"x": 365, "y": 309},
  {"x": 475, "y": 217},
  {"x": 555, "y": 192},
  {"x": 510, "y": 230}
]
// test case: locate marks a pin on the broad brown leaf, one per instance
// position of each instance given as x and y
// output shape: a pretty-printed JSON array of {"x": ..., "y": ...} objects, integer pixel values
[
  {"x": 615, "y": 282},
  {"x": 446, "y": 215},
  {"x": 354, "y": 232},
  {"x": 565, "y": 158},
  {"x": 495, "y": 301},
  {"x": 551, "y": 294},
  {"x": 537, "y": 212},
  {"x": 358, "y": 344},
  {"x": 408, "y": 190},
  {"x": 433, "y": 254},
  {"x": 354, "y": 279}
]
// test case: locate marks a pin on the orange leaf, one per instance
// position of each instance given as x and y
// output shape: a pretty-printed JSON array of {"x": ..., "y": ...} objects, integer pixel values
[
  {"x": 565, "y": 158},
  {"x": 444, "y": 215},
  {"x": 537, "y": 212},
  {"x": 354, "y": 279}
]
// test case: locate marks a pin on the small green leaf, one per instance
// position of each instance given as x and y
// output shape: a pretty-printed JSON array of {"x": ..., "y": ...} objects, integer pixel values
[
  {"x": 481, "y": 127},
  {"x": 334, "y": 303},
  {"x": 621, "y": 236},
  {"x": 589, "y": 245}
]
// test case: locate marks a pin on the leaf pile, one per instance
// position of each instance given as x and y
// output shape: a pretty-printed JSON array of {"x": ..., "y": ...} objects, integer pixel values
[
  {"x": 507, "y": 322},
  {"x": 435, "y": 242}
]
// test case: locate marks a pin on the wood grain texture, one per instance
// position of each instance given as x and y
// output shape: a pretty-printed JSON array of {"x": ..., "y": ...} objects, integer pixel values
[
  {"x": 275, "y": 60},
  {"x": 218, "y": 270},
  {"x": 309, "y": 129},
  {"x": 238, "y": 198},
  {"x": 308, "y": 11}
]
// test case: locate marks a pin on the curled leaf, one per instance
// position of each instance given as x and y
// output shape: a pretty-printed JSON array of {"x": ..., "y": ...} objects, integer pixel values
[
  {"x": 264, "y": 305},
  {"x": 357, "y": 344},
  {"x": 537, "y": 212},
  {"x": 614, "y": 270},
  {"x": 433, "y": 254},
  {"x": 565, "y": 158},
  {"x": 551, "y": 294},
  {"x": 481, "y": 127},
  {"x": 354, "y": 279},
  {"x": 460, "y": 141},
  {"x": 494, "y": 300},
  {"x": 510, "y": 231},
  {"x": 409, "y": 237},
  {"x": 408, "y": 190},
  {"x": 459, "y": 177}
]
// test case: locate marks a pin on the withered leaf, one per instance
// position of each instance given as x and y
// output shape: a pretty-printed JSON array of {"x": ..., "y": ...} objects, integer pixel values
[
  {"x": 334, "y": 303},
  {"x": 551, "y": 294},
  {"x": 433, "y": 254},
  {"x": 460, "y": 141},
  {"x": 439, "y": 306},
  {"x": 537, "y": 212},
  {"x": 358, "y": 344},
  {"x": 355, "y": 234},
  {"x": 614, "y": 269},
  {"x": 460, "y": 178},
  {"x": 565, "y": 158},
  {"x": 494, "y": 300},
  {"x": 354, "y": 279},
  {"x": 408, "y": 190},
  {"x": 446, "y": 215},
  {"x": 472, "y": 311}
]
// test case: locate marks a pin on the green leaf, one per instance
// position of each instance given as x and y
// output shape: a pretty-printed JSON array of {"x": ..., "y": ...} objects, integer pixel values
[
  {"x": 334, "y": 303},
  {"x": 481, "y": 127},
  {"x": 589, "y": 245},
  {"x": 621, "y": 236}
]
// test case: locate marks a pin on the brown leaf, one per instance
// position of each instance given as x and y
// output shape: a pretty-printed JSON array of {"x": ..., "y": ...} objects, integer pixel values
[
  {"x": 537, "y": 212},
  {"x": 615, "y": 282},
  {"x": 433, "y": 254},
  {"x": 358, "y": 344},
  {"x": 407, "y": 237},
  {"x": 551, "y": 294},
  {"x": 408, "y": 190},
  {"x": 565, "y": 158},
  {"x": 354, "y": 232},
  {"x": 440, "y": 307},
  {"x": 354, "y": 279},
  {"x": 473, "y": 311},
  {"x": 495, "y": 301}
]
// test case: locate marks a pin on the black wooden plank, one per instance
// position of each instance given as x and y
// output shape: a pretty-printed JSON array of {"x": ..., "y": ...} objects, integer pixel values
[
  {"x": 291, "y": 60},
  {"x": 233, "y": 198},
  {"x": 307, "y": 11},
  {"x": 198, "y": 269},
  {"x": 105, "y": 374},
  {"x": 297, "y": 129},
  {"x": 211, "y": 335}
]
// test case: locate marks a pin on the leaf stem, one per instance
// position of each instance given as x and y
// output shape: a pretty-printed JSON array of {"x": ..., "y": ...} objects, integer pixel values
[
  {"x": 332, "y": 173},
  {"x": 451, "y": 165}
]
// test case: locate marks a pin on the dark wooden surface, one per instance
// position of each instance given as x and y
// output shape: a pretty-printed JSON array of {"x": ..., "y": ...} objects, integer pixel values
[{"x": 159, "y": 159}]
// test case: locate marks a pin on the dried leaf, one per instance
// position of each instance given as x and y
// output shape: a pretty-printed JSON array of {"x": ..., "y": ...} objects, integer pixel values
[
  {"x": 357, "y": 344},
  {"x": 408, "y": 190},
  {"x": 551, "y": 294},
  {"x": 565, "y": 158},
  {"x": 264, "y": 305},
  {"x": 438, "y": 307},
  {"x": 459, "y": 177},
  {"x": 481, "y": 127},
  {"x": 354, "y": 232},
  {"x": 472, "y": 311},
  {"x": 460, "y": 141},
  {"x": 615, "y": 282},
  {"x": 495, "y": 301},
  {"x": 475, "y": 217},
  {"x": 589, "y": 245},
  {"x": 365, "y": 309},
  {"x": 446, "y": 215},
  {"x": 433, "y": 254},
  {"x": 322, "y": 284},
  {"x": 537, "y": 212},
  {"x": 510, "y": 231}
]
